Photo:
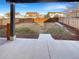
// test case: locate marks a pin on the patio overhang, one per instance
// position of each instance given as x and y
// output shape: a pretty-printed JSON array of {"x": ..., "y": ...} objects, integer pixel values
[{"x": 37, "y": 1}]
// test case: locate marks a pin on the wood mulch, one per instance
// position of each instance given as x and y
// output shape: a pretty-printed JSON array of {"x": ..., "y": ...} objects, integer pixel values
[
  {"x": 71, "y": 37},
  {"x": 35, "y": 36}
]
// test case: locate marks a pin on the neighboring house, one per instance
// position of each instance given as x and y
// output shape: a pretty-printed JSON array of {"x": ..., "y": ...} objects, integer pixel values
[
  {"x": 32, "y": 15},
  {"x": 73, "y": 13},
  {"x": 77, "y": 12},
  {"x": 41, "y": 16},
  {"x": 18, "y": 15},
  {"x": 52, "y": 14},
  {"x": 1, "y": 19}
]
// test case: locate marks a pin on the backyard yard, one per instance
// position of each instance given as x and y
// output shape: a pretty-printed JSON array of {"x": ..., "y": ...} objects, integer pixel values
[{"x": 32, "y": 30}]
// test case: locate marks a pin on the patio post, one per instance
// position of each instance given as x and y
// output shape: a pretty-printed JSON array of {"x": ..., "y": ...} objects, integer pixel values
[{"x": 12, "y": 21}]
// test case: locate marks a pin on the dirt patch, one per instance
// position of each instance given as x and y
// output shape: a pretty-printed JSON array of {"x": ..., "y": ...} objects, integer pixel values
[{"x": 70, "y": 37}]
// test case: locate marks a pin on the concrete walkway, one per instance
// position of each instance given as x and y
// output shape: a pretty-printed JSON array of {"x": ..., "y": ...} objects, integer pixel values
[{"x": 45, "y": 47}]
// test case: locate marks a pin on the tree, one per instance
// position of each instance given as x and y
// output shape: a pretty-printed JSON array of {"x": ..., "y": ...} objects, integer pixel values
[
  {"x": 17, "y": 13},
  {"x": 7, "y": 15}
]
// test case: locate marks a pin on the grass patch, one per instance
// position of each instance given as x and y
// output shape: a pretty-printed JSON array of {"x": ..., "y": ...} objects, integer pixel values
[
  {"x": 58, "y": 32},
  {"x": 2, "y": 32},
  {"x": 24, "y": 30}
]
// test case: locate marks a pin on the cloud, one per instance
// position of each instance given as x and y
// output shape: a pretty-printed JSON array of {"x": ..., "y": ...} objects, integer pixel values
[
  {"x": 2, "y": 14},
  {"x": 55, "y": 7}
]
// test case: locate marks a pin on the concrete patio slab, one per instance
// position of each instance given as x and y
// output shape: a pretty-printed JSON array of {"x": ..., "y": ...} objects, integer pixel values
[{"x": 45, "y": 47}]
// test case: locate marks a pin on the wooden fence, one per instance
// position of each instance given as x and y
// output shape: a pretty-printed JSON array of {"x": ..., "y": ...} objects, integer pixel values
[{"x": 73, "y": 22}]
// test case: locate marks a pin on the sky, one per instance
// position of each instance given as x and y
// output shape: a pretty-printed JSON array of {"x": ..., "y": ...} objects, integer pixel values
[{"x": 42, "y": 8}]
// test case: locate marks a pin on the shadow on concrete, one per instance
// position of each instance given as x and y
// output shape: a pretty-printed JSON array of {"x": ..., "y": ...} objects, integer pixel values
[{"x": 2, "y": 41}]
